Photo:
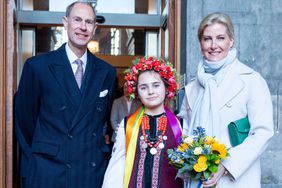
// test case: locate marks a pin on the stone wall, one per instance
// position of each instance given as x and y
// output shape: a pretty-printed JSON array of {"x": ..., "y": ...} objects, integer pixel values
[{"x": 258, "y": 38}]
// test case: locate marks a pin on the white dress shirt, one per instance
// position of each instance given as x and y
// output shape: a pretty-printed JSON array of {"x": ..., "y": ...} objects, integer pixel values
[{"x": 72, "y": 57}]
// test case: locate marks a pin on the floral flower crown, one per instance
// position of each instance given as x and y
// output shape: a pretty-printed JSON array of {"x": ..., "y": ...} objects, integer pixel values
[{"x": 163, "y": 68}]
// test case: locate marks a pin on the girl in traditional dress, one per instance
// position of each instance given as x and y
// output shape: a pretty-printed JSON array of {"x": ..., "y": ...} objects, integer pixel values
[{"x": 139, "y": 157}]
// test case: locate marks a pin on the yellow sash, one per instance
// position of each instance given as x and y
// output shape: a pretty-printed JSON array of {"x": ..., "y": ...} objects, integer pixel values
[{"x": 132, "y": 129}]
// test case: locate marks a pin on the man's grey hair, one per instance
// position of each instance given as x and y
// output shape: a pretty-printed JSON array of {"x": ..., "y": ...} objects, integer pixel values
[{"x": 69, "y": 8}]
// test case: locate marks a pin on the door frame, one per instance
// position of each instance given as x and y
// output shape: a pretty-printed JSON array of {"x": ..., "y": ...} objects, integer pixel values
[{"x": 7, "y": 89}]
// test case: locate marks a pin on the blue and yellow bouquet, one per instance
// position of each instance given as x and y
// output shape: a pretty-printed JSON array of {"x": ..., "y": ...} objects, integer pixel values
[{"x": 197, "y": 156}]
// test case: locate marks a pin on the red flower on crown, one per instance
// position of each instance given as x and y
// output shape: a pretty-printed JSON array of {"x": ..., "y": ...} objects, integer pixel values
[{"x": 165, "y": 70}]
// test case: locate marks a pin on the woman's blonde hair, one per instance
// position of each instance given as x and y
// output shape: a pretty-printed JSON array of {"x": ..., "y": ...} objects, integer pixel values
[{"x": 213, "y": 18}]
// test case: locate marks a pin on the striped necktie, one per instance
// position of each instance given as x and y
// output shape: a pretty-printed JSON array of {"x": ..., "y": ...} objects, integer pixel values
[{"x": 79, "y": 72}]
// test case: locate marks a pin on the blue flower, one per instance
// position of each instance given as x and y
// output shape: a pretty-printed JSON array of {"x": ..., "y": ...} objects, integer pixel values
[
  {"x": 199, "y": 131},
  {"x": 207, "y": 150}
]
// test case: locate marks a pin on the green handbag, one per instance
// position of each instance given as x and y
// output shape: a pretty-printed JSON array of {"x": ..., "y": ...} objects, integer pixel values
[{"x": 238, "y": 131}]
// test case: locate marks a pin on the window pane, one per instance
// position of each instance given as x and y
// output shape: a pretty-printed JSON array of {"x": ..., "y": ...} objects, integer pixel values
[
  {"x": 103, "y": 6},
  {"x": 26, "y": 48},
  {"x": 59, "y": 7},
  {"x": 27, "y": 44},
  {"x": 27, "y": 4},
  {"x": 166, "y": 44},
  {"x": 120, "y": 41},
  {"x": 114, "y": 6},
  {"x": 153, "y": 7},
  {"x": 152, "y": 44},
  {"x": 108, "y": 41}
]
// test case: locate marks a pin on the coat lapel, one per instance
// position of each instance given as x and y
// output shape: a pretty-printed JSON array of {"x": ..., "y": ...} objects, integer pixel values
[
  {"x": 232, "y": 84},
  {"x": 61, "y": 69},
  {"x": 230, "y": 87},
  {"x": 91, "y": 88},
  {"x": 192, "y": 91}
]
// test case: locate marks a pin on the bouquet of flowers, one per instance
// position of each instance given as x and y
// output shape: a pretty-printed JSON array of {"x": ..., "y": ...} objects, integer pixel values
[{"x": 197, "y": 156}]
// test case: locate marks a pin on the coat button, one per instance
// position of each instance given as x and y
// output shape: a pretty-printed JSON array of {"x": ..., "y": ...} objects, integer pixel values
[
  {"x": 68, "y": 165},
  {"x": 63, "y": 108},
  {"x": 99, "y": 109},
  {"x": 229, "y": 104},
  {"x": 70, "y": 136},
  {"x": 94, "y": 134},
  {"x": 93, "y": 164}
]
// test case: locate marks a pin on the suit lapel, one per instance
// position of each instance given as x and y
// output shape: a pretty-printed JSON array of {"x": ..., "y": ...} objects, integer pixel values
[
  {"x": 61, "y": 69},
  {"x": 134, "y": 106},
  {"x": 91, "y": 88},
  {"x": 123, "y": 106}
]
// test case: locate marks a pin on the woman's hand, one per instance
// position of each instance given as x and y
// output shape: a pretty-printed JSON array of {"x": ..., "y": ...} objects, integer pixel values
[{"x": 215, "y": 177}]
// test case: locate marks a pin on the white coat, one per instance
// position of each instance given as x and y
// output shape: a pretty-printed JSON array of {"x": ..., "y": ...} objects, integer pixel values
[
  {"x": 115, "y": 171},
  {"x": 243, "y": 92}
]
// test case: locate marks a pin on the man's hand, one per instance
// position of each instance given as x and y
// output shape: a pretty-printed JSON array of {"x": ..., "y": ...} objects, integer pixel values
[
  {"x": 116, "y": 128},
  {"x": 107, "y": 139}
]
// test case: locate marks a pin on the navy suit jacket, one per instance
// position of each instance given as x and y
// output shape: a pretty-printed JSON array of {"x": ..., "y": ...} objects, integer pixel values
[{"x": 59, "y": 127}]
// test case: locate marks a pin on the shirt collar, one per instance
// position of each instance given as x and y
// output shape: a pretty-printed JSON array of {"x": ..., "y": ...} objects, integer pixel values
[{"x": 72, "y": 57}]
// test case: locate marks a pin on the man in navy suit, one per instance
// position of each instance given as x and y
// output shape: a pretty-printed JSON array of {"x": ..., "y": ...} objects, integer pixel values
[{"x": 58, "y": 121}]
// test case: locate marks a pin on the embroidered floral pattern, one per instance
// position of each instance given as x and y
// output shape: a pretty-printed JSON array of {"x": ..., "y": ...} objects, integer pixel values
[
  {"x": 155, "y": 176},
  {"x": 140, "y": 171}
]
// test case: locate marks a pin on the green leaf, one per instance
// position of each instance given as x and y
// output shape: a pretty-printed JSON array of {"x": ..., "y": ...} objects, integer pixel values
[
  {"x": 169, "y": 151},
  {"x": 198, "y": 175},
  {"x": 189, "y": 167},
  {"x": 182, "y": 170},
  {"x": 213, "y": 168},
  {"x": 207, "y": 175},
  {"x": 178, "y": 166},
  {"x": 213, "y": 157},
  {"x": 132, "y": 96}
]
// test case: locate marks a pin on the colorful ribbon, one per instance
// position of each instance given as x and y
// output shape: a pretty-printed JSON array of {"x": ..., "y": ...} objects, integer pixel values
[
  {"x": 132, "y": 129},
  {"x": 174, "y": 124},
  {"x": 200, "y": 185}
]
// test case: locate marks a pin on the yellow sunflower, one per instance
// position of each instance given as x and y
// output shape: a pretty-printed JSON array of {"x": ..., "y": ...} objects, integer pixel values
[{"x": 221, "y": 149}]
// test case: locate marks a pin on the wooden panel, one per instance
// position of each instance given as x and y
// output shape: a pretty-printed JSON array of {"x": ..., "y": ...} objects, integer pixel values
[
  {"x": 177, "y": 39},
  {"x": 6, "y": 93},
  {"x": 171, "y": 30},
  {"x": 10, "y": 90},
  {"x": 2, "y": 94},
  {"x": 119, "y": 61}
]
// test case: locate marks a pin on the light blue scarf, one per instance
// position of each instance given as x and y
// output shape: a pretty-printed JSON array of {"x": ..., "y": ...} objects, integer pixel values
[{"x": 206, "y": 111}]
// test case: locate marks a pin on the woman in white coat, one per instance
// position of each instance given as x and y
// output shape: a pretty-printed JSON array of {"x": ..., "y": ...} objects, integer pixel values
[{"x": 226, "y": 90}]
